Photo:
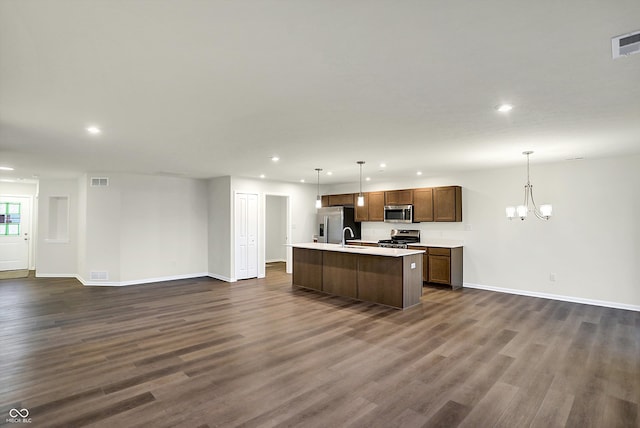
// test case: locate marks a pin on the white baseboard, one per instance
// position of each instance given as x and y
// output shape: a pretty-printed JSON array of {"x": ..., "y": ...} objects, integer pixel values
[
  {"x": 55, "y": 275},
  {"x": 562, "y": 298},
  {"x": 276, "y": 261},
  {"x": 140, "y": 281},
  {"x": 221, "y": 278}
]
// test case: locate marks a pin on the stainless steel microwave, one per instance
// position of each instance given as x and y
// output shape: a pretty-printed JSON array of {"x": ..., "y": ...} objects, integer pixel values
[{"x": 398, "y": 213}]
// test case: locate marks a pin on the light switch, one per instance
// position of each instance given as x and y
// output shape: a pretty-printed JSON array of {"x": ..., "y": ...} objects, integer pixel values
[{"x": 413, "y": 265}]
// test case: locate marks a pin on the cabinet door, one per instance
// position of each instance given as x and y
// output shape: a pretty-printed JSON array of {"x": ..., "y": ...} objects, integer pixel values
[
  {"x": 398, "y": 197},
  {"x": 447, "y": 203},
  {"x": 423, "y": 204},
  {"x": 425, "y": 267},
  {"x": 362, "y": 213},
  {"x": 440, "y": 269},
  {"x": 425, "y": 262},
  {"x": 325, "y": 201},
  {"x": 341, "y": 200},
  {"x": 376, "y": 206}
]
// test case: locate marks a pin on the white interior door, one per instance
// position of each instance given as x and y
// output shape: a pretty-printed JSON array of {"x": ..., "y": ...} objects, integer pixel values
[
  {"x": 246, "y": 227},
  {"x": 15, "y": 223}
]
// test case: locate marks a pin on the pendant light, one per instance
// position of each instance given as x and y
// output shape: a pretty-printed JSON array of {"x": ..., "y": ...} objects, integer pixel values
[
  {"x": 360, "y": 195},
  {"x": 318, "y": 199},
  {"x": 521, "y": 210}
]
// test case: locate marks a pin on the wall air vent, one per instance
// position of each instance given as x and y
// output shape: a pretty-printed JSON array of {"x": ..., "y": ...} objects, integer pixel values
[
  {"x": 99, "y": 181},
  {"x": 98, "y": 276},
  {"x": 625, "y": 45}
]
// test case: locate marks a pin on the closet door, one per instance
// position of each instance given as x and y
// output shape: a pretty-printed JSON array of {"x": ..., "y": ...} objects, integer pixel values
[{"x": 246, "y": 234}]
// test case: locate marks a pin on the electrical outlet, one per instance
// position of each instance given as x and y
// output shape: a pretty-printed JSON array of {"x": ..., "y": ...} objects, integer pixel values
[
  {"x": 552, "y": 277},
  {"x": 467, "y": 227}
]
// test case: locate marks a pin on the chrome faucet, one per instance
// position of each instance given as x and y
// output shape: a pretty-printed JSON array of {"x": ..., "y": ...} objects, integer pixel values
[{"x": 350, "y": 231}]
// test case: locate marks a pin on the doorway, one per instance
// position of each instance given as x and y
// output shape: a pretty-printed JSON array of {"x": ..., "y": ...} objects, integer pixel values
[
  {"x": 276, "y": 233},
  {"x": 15, "y": 234}
]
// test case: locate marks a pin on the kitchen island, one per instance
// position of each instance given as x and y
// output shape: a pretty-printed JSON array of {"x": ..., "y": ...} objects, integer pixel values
[{"x": 387, "y": 276}]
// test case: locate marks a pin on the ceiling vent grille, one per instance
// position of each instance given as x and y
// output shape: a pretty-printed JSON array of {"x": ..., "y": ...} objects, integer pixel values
[
  {"x": 626, "y": 44},
  {"x": 99, "y": 181}
]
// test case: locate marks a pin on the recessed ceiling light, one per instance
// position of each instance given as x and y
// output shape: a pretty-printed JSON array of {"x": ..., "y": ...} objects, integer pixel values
[
  {"x": 6, "y": 168},
  {"x": 504, "y": 108},
  {"x": 302, "y": 180},
  {"x": 94, "y": 130},
  {"x": 368, "y": 178},
  {"x": 419, "y": 173},
  {"x": 275, "y": 158},
  {"x": 383, "y": 165},
  {"x": 261, "y": 175},
  {"x": 329, "y": 173}
]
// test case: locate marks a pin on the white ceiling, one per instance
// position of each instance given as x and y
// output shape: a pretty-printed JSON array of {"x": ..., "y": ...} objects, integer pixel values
[{"x": 210, "y": 88}]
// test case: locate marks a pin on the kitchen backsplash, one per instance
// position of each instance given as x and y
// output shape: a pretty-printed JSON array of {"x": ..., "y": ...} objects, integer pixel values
[{"x": 374, "y": 231}]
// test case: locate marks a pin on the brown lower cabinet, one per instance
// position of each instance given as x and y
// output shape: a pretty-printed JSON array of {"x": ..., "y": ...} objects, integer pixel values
[
  {"x": 391, "y": 281},
  {"x": 442, "y": 266}
]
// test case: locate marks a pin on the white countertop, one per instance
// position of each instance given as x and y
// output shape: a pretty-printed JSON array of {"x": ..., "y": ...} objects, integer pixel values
[
  {"x": 433, "y": 242},
  {"x": 370, "y": 251}
]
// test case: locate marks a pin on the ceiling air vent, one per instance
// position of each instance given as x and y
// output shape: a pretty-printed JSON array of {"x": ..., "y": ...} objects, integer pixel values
[
  {"x": 626, "y": 44},
  {"x": 99, "y": 181}
]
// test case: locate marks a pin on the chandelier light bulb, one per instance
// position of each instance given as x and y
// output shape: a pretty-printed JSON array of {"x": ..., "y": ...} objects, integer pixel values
[
  {"x": 511, "y": 212},
  {"x": 522, "y": 211},
  {"x": 546, "y": 210}
]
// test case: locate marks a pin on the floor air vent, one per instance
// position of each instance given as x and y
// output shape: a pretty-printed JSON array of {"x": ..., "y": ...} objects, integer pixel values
[
  {"x": 626, "y": 44},
  {"x": 98, "y": 276},
  {"x": 99, "y": 181}
]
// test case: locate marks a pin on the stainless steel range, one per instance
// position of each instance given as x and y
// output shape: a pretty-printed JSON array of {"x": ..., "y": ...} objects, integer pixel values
[{"x": 400, "y": 238}]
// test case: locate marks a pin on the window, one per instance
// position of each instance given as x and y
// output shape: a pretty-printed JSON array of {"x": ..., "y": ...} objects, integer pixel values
[{"x": 9, "y": 218}]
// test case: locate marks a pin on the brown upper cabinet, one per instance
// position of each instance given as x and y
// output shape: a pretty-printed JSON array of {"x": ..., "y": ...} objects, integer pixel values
[
  {"x": 429, "y": 203},
  {"x": 362, "y": 213},
  {"x": 373, "y": 209},
  {"x": 398, "y": 197},
  {"x": 447, "y": 203},
  {"x": 343, "y": 200},
  {"x": 423, "y": 204},
  {"x": 376, "y": 206}
]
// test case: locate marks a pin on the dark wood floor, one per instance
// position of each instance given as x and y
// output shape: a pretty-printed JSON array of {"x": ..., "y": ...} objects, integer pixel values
[{"x": 258, "y": 353}]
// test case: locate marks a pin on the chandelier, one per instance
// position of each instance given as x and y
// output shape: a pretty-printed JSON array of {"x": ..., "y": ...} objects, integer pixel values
[{"x": 522, "y": 210}]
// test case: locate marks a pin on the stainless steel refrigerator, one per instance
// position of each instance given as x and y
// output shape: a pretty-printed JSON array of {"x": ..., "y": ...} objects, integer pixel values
[{"x": 332, "y": 221}]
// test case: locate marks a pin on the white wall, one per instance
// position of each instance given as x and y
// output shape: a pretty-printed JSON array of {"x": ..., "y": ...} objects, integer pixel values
[
  {"x": 592, "y": 242},
  {"x": 143, "y": 228},
  {"x": 275, "y": 228},
  {"x": 57, "y": 257},
  {"x": 219, "y": 228},
  {"x": 102, "y": 233},
  {"x": 81, "y": 228},
  {"x": 163, "y": 227}
]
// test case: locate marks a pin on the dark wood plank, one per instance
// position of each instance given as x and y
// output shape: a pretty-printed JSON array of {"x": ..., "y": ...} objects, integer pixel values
[
  {"x": 380, "y": 280},
  {"x": 339, "y": 274},
  {"x": 260, "y": 352},
  {"x": 307, "y": 265}
]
